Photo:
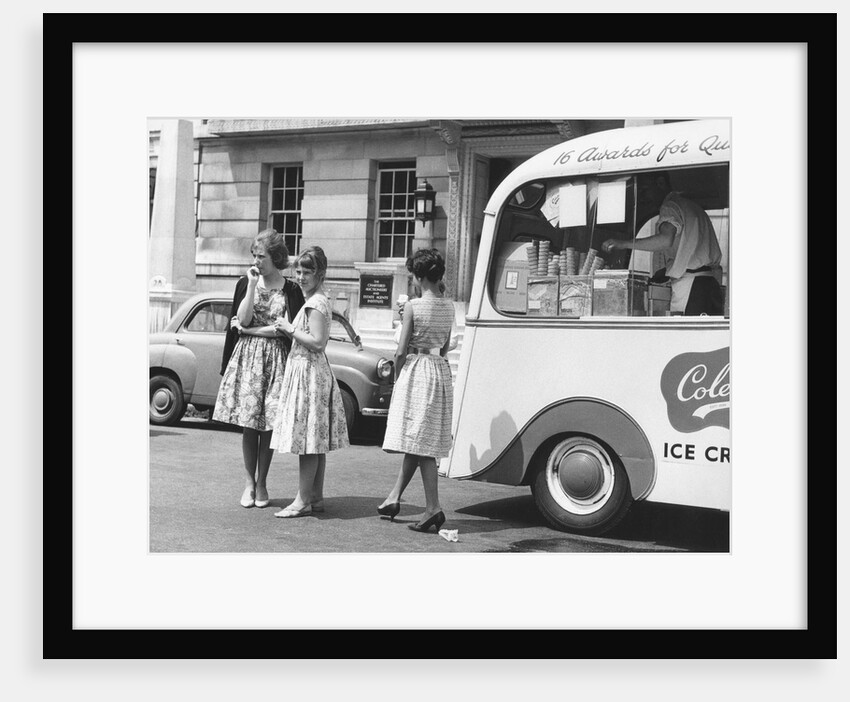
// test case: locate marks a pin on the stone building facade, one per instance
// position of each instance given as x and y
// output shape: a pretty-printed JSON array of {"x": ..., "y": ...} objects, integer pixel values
[{"x": 343, "y": 184}]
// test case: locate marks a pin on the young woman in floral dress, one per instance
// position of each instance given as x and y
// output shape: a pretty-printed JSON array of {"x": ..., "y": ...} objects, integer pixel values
[
  {"x": 254, "y": 359},
  {"x": 311, "y": 420}
]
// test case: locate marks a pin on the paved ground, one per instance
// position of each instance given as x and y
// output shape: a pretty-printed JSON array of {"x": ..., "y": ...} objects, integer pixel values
[{"x": 196, "y": 483}]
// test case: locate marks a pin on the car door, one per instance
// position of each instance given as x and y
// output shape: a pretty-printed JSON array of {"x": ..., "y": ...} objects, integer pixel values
[{"x": 203, "y": 334}]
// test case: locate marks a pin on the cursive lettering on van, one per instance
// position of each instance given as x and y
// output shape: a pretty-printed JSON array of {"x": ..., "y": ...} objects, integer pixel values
[
  {"x": 563, "y": 157},
  {"x": 595, "y": 154},
  {"x": 693, "y": 387},
  {"x": 712, "y": 144},
  {"x": 672, "y": 148}
]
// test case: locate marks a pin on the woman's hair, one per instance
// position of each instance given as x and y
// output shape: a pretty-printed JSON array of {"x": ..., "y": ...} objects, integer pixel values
[
  {"x": 313, "y": 259},
  {"x": 272, "y": 241},
  {"x": 427, "y": 263}
]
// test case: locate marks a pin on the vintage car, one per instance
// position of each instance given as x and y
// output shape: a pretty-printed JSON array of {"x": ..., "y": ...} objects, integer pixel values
[{"x": 185, "y": 360}]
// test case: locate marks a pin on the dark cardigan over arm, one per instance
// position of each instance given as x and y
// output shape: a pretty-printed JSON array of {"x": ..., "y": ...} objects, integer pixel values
[{"x": 294, "y": 302}]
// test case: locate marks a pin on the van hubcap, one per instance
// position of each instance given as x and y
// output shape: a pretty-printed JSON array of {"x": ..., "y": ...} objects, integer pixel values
[{"x": 580, "y": 475}]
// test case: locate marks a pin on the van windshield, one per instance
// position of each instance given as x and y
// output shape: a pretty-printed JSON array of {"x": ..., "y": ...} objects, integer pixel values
[{"x": 572, "y": 247}]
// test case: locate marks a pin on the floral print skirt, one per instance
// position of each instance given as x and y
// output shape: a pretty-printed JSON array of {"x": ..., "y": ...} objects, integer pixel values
[
  {"x": 249, "y": 394},
  {"x": 312, "y": 416}
]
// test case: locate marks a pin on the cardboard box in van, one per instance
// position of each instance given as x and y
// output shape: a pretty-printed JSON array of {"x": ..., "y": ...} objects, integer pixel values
[
  {"x": 575, "y": 298},
  {"x": 511, "y": 278},
  {"x": 620, "y": 293},
  {"x": 543, "y": 296}
]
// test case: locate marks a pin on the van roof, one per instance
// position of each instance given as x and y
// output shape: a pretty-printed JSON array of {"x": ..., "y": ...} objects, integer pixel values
[{"x": 652, "y": 147}]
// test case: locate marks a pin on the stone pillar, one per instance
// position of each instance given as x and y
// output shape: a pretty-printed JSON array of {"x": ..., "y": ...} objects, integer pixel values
[
  {"x": 171, "y": 250},
  {"x": 450, "y": 133}
]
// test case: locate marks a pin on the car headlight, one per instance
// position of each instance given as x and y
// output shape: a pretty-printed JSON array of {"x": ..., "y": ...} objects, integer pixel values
[{"x": 384, "y": 368}]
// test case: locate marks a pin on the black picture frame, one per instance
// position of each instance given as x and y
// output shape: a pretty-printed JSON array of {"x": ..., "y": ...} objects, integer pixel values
[{"x": 818, "y": 640}]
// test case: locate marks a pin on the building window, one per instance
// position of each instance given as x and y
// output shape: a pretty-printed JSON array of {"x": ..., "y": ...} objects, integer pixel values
[
  {"x": 396, "y": 185},
  {"x": 152, "y": 189},
  {"x": 287, "y": 192}
]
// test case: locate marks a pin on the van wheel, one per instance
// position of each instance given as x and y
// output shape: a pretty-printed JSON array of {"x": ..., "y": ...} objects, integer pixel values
[
  {"x": 350, "y": 406},
  {"x": 167, "y": 406},
  {"x": 583, "y": 487}
]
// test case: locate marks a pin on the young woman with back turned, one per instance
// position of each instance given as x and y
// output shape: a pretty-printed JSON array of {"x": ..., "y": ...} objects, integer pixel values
[{"x": 420, "y": 415}]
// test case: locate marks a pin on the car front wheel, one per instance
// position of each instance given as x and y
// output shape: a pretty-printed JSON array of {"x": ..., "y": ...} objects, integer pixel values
[
  {"x": 167, "y": 405},
  {"x": 350, "y": 405}
]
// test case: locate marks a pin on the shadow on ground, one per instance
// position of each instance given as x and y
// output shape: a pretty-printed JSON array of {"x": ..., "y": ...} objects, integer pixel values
[
  {"x": 368, "y": 435},
  {"x": 671, "y": 526}
]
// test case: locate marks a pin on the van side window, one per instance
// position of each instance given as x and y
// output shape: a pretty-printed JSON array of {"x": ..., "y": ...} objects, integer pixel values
[{"x": 548, "y": 258}]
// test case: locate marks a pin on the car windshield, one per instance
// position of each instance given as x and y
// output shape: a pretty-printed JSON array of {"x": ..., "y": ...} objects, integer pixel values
[{"x": 341, "y": 330}]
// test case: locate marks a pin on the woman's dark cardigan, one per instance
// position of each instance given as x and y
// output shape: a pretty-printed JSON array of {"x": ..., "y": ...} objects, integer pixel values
[{"x": 294, "y": 302}]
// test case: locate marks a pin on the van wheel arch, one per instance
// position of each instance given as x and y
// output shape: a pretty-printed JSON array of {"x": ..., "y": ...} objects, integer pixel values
[{"x": 598, "y": 420}]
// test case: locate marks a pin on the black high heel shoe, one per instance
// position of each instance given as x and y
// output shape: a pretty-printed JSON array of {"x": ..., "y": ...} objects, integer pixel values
[
  {"x": 435, "y": 520},
  {"x": 390, "y": 510}
]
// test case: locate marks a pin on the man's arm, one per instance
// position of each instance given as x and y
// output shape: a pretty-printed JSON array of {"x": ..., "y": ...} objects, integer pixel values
[{"x": 660, "y": 241}]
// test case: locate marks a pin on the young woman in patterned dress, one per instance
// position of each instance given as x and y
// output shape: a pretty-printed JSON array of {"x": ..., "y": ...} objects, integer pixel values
[
  {"x": 254, "y": 359},
  {"x": 420, "y": 415},
  {"x": 311, "y": 420}
]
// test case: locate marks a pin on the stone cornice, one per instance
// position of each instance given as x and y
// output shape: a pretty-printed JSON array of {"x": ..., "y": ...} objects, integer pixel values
[{"x": 226, "y": 127}]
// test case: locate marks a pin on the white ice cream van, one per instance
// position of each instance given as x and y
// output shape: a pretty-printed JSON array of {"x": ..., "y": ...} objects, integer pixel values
[{"x": 575, "y": 377}]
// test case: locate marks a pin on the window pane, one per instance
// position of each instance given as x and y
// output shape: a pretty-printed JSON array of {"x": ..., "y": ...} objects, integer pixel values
[
  {"x": 277, "y": 222},
  {"x": 386, "y": 182},
  {"x": 211, "y": 317},
  {"x": 289, "y": 200},
  {"x": 400, "y": 182},
  {"x": 277, "y": 177},
  {"x": 384, "y": 247},
  {"x": 277, "y": 199},
  {"x": 399, "y": 246}
]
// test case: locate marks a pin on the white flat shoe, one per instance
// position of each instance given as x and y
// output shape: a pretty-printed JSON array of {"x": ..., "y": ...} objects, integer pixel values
[
  {"x": 262, "y": 498},
  {"x": 247, "y": 498},
  {"x": 289, "y": 512}
]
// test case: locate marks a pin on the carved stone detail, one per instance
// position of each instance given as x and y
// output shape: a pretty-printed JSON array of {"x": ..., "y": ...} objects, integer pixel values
[
  {"x": 453, "y": 229},
  {"x": 565, "y": 130},
  {"x": 449, "y": 131}
]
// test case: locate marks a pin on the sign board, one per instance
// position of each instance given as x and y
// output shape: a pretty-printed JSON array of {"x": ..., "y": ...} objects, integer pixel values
[{"x": 376, "y": 291}]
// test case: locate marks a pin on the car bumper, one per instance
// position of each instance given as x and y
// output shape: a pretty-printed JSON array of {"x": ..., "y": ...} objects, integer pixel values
[
  {"x": 372, "y": 412},
  {"x": 379, "y": 403}
]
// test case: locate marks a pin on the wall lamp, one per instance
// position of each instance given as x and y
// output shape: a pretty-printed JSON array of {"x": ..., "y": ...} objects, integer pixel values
[{"x": 424, "y": 198}]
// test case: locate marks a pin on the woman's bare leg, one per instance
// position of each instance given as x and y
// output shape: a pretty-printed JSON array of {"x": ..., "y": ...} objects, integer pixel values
[
  {"x": 428, "y": 469},
  {"x": 405, "y": 474}
]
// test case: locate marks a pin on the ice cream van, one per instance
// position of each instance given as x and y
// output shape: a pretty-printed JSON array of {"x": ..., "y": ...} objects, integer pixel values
[{"x": 576, "y": 377}]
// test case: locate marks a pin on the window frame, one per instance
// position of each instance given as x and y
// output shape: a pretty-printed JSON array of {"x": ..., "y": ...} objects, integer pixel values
[
  {"x": 400, "y": 166},
  {"x": 272, "y": 213},
  {"x": 720, "y": 209}
]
